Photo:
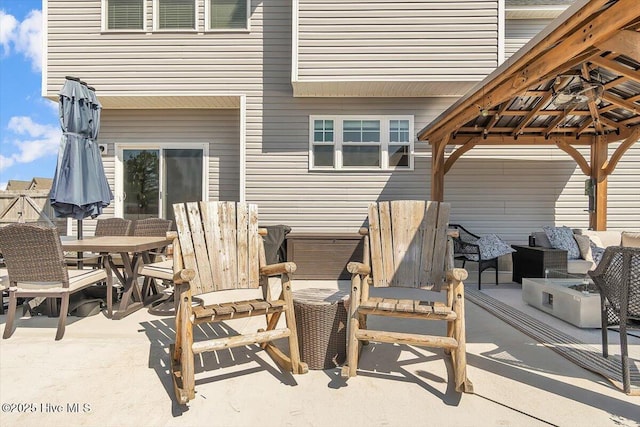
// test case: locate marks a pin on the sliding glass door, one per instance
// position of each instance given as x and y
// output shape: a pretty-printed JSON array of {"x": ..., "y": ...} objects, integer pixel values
[{"x": 152, "y": 178}]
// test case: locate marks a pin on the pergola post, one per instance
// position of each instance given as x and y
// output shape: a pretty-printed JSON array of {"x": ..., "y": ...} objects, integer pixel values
[
  {"x": 437, "y": 169},
  {"x": 599, "y": 156}
]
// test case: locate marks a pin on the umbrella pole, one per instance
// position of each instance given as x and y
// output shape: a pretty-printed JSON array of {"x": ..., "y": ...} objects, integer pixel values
[{"x": 80, "y": 254}]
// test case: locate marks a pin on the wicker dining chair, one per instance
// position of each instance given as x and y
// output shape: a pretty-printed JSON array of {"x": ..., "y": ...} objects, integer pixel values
[
  {"x": 113, "y": 227},
  {"x": 618, "y": 280},
  {"x": 153, "y": 227},
  {"x": 36, "y": 267},
  {"x": 104, "y": 227}
]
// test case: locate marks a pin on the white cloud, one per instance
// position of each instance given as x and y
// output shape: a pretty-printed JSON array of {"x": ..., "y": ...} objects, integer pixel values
[
  {"x": 34, "y": 141},
  {"x": 8, "y": 26},
  {"x": 25, "y": 36}
]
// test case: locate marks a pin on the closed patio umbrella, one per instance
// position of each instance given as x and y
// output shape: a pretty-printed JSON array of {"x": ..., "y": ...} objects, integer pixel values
[{"x": 80, "y": 188}]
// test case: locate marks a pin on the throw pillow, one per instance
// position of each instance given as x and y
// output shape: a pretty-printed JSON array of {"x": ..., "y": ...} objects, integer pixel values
[
  {"x": 596, "y": 252},
  {"x": 562, "y": 238},
  {"x": 596, "y": 241},
  {"x": 491, "y": 246},
  {"x": 630, "y": 240},
  {"x": 584, "y": 244}
]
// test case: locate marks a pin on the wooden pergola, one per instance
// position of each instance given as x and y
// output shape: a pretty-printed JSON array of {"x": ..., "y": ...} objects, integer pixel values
[{"x": 575, "y": 84}]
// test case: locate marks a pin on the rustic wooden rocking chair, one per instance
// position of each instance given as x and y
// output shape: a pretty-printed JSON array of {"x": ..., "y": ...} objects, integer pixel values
[
  {"x": 219, "y": 247},
  {"x": 406, "y": 245}
]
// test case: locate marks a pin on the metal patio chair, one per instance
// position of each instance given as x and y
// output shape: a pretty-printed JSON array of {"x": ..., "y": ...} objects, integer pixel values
[
  {"x": 617, "y": 276},
  {"x": 465, "y": 244}
]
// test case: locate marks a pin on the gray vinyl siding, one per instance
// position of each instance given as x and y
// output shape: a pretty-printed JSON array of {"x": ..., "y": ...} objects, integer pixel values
[
  {"x": 519, "y": 31},
  {"x": 161, "y": 62},
  {"x": 514, "y": 190},
  {"x": 218, "y": 128},
  {"x": 278, "y": 176},
  {"x": 396, "y": 40},
  {"x": 500, "y": 190}
]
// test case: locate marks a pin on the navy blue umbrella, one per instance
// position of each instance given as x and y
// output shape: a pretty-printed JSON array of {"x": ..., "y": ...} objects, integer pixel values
[{"x": 80, "y": 188}]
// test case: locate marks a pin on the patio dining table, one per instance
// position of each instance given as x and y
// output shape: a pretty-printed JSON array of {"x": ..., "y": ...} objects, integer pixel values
[{"x": 133, "y": 250}]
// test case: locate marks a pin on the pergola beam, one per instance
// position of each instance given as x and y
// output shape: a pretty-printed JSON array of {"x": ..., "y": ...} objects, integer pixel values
[
  {"x": 624, "y": 103},
  {"x": 591, "y": 104},
  {"x": 624, "y": 42},
  {"x": 622, "y": 148},
  {"x": 457, "y": 154},
  {"x": 599, "y": 153},
  {"x": 575, "y": 155},
  {"x": 539, "y": 63},
  {"x": 617, "y": 67}
]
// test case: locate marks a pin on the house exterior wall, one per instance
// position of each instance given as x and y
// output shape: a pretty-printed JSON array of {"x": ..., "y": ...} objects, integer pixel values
[
  {"x": 492, "y": 189},
  {"x": 217, "y": 128},
  {"x": 519, "y": 31},
  {"x": 396, "y": 40}
]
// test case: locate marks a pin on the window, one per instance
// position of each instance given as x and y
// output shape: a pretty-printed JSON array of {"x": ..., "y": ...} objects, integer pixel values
[
  {"x": 176, "y": 14},
  {"x": 356, "y": 143},
  {"x": 227, "y": 14},
  {"x": 124, "y": 14}
]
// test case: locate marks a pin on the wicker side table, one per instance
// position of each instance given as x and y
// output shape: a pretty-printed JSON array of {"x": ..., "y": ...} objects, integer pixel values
[
  {"x": 531, "y": 261},
  {"x": 321, "y": 320}
]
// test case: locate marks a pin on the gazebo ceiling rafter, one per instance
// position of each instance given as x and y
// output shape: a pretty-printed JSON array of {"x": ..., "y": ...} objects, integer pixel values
[
  {"x": 575, "y": 84},
  {"x": 589, "y": 51}
]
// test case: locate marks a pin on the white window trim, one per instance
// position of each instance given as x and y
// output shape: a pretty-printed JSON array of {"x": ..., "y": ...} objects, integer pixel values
[
  {"x": 338, "y": 143},
  {"x": 118, "y": 168},
  {"x": 207, "y": 19},
  {"x": 156, "y": 19},
  {"x": 105, "y": 18}
]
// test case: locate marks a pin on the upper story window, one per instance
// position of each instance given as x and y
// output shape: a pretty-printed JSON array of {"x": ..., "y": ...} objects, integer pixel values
[
  {"x": 227, "y": 14},
  {"x": 361, "y": 143},
  {"x": 124, "y": 14},
  {"x": 176, "y": 14}
]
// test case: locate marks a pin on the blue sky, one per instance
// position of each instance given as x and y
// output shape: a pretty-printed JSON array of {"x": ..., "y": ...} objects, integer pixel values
[{"x": 29, "y": 126}]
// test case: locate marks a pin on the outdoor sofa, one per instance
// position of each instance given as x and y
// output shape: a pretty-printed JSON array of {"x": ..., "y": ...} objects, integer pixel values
[{"x": 597, "y": 239}]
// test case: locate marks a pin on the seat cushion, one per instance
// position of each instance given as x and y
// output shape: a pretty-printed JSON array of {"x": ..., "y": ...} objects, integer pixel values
[
  {"x": 630, "y": 239},
  {"x": 159, "y": 270},
  {"x": 602, "y": 239},
  {"x": 579, "y": 266},
  {"x": 78, "y": 279}
]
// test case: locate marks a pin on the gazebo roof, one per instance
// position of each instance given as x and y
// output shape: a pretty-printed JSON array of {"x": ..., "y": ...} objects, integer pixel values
[{"x": 580, "y": 77}]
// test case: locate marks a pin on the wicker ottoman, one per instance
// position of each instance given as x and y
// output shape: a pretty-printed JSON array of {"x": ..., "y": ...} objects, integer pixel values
[{"x": 321, "y": 319}]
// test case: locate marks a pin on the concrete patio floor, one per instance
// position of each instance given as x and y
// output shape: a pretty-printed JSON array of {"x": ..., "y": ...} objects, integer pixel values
[{"x": 117, "y": 374}]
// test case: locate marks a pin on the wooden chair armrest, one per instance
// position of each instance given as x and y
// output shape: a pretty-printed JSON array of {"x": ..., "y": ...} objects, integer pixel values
[
  {"x": 452, "y": 232},
  {"x": 363, "y": 231},
  {"x": 358, "y": 268},
  {"x": 183, "y": 276},
  {"x": 280, "y": 268},
  {"x": 457, "y": 275}
]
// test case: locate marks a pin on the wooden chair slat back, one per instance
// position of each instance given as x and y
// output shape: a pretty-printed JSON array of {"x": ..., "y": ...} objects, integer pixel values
[
  {"x": 408, "y": 243},
  {"x": 220, "y": 241}
]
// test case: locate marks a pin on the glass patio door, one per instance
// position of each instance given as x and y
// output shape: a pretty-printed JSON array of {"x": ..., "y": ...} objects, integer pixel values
[{"x": 153, "y": 179}]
